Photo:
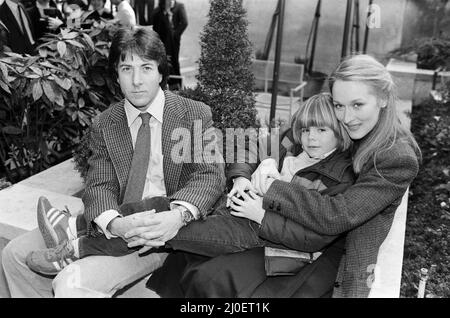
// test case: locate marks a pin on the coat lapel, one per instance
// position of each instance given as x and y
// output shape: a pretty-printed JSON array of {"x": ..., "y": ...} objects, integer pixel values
[
  {"x": 119, "y": 143},
  {"x": 9, "y": 18},
  {"x": 172, "y": 119}
]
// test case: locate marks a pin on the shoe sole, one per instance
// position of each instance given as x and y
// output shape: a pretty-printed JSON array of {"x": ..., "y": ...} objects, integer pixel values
[
  {"x": 46, "y": 228},
  {"x": 30, "y": 266}
]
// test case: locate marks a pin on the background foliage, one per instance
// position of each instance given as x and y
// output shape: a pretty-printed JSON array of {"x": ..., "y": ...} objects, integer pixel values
[
  {"x": 225, "y": 79},
  {"x": 428, "y": 223},
  {"x": 47, "y": 101}
]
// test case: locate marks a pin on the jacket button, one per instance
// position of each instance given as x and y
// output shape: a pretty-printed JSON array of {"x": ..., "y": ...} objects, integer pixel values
[
  {"x": 272, "y": 204},
  {"x": 337, "y": 284}
]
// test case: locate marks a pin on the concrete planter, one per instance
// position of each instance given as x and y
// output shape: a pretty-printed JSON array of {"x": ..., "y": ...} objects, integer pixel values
[{"x": 414, "y": 83}]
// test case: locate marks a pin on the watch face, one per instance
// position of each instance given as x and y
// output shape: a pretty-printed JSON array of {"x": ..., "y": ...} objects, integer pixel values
[{"x": 187, "y": 216}]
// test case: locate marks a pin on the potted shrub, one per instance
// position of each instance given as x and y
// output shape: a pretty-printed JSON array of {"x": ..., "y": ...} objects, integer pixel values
[{"x": 48, "y": 100}]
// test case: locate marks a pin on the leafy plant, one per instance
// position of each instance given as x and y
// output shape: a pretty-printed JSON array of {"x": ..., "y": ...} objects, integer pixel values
[
  {"x": 48, "y": 100},
  {"x": 428, "y": 222},
  {"x": 432, "y": 53},
  {"x": 225, "y": 78}
]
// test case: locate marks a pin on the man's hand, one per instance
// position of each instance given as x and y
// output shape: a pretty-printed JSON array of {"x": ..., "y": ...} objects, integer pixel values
[
  {"x": 249, "y": 206},
  {"x": 264, "y": 175},
  {"x": 54, "y": 23},
  {"x": 240, "y": 184},
  {"x": 121, "y": 225},
  {"x": 155, "y": 231}
]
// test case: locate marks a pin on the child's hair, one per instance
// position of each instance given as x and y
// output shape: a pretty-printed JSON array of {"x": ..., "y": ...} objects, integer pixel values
[
  {"x": 366, "y": 69},
  {"x": 318, "y": 111}
]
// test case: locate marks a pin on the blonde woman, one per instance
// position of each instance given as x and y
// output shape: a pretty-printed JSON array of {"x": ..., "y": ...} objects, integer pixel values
[{"x": 385, "y": 159}]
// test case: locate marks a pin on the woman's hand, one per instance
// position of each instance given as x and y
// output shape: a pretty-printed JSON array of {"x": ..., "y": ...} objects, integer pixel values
[
  {"x": 264, "y": 175},
  {"x": 240, "y": 184},
  {"x": 248, "y": 206}
]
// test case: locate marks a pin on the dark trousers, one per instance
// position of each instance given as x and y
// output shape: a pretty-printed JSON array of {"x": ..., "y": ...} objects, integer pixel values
[
  {"x": 223, "y": 256},
  {"x": 174, "y": 69},
  {"x": 140, "y": 6},
  {"x": 243, "y": 275},
  {"x": 220, "y": 233},
  {"x": 116, "y": 246}
]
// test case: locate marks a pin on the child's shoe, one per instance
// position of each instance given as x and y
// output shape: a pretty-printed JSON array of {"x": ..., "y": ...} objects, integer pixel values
[
  {"x": 52, "y": 222},
  {"x": 52, "y": 260}
]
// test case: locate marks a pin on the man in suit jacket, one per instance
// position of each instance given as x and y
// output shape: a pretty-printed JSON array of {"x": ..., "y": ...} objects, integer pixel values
[
  {"x": 20, "y": 38},
  {"x": 169, "y": 21},
  {"x": 192, "y": 185},
  {"x": 143, "y": 9},
  {"x": 44, "y": 23}
]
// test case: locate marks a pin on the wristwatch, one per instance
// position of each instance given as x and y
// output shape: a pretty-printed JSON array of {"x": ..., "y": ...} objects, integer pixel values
[{"x": 186, "y": 215}]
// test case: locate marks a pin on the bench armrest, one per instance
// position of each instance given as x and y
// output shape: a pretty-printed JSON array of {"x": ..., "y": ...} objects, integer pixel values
[{"x": 299, "y": 87}]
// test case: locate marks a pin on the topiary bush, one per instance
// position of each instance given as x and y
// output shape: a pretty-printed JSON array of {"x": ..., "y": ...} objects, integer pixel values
[{"x": 225, "y": 79}]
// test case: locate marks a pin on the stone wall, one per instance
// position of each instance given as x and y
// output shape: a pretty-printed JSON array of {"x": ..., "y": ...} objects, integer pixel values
[{"x": 298, "y": 20}]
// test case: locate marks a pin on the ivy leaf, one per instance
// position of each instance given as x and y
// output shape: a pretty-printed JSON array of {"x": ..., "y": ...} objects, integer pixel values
[
  {"x": 5, "y": 87},
  {"x": 101, "y": 43},
  {"x": 49, "y": 65},
  {"x": 12, "y": 54},
  {"x": 48, "y": 90},
  {"x": 37, "y": 91},
  {"x": 95, "y": 33},
  {"x": 36, "y": 70},
  {"x": 64, "y": 83},
  {"x": 12, "y": 130},
  {"x": 32, "y": 76},
  {"x": 81, "y": 102},
  {"x": 89, "y": 41},
  {"x": 62, "y": 48},
  {"x": 59, "y": 99},
  {"x": 4, "y": 70},
  {"x": 77, "y": 44},
  {"x": 70, "y": 36},
  {"x": 43, "y": 52}
]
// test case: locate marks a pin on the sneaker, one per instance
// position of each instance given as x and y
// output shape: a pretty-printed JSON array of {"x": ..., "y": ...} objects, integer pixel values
[
  {"x": 52, "y": 222},
  {"x": 52, "y": 260}
]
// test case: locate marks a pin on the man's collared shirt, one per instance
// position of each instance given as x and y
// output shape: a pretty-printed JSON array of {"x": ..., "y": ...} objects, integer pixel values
[{"x": 154, "y": 182}]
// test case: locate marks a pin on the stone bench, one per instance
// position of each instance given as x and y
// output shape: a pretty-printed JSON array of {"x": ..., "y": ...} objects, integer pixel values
[{"x": 61, "y": 182}]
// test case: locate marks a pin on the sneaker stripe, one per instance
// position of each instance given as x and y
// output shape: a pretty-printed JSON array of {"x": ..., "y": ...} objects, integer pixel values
[
  {"x": 50, "y": 212},
  {"x": 54, "y": 216},
  {"x": 57, "y": 266},
  {"x": 57, "y": 220}
]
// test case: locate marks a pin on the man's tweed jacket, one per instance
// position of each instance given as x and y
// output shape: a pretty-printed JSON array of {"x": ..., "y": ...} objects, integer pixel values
[
  {"x": 365, "y": 211},
  {"x": 200, "y": 184}
]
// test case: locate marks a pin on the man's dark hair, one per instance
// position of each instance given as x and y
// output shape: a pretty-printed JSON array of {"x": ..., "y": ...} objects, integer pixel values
[{"x": 143, "y": 42}]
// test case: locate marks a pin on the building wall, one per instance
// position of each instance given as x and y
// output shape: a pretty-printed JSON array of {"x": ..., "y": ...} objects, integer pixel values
[
  {"x": 419, "y": 19},
  {"x": 298, "y": 19}
]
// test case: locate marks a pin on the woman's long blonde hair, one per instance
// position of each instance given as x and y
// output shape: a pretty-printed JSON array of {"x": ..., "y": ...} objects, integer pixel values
[{"x": 366, "y": 69}]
